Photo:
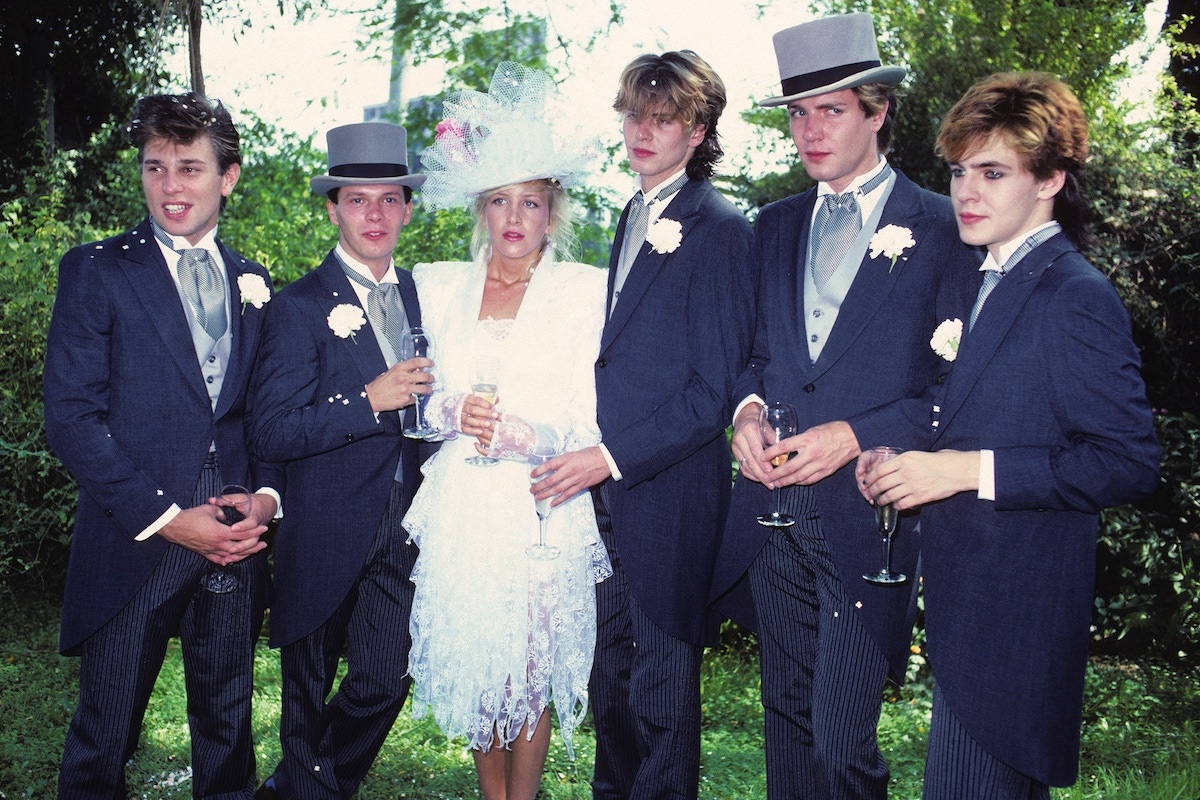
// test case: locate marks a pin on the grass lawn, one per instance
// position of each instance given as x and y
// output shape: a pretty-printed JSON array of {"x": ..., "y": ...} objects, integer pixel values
[{"x": 1141, "y": 734}]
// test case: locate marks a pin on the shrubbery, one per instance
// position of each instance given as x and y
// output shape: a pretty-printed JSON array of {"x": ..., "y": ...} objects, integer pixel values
[
  {"x": 1148, "y": 587},
  {"x": 1148, "y": 563},
  {"x": 272, "y": 217}
]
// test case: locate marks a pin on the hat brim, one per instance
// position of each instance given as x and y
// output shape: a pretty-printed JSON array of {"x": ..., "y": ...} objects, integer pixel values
[
  {"x": 517, "y": 179},
  {"x": 323, "y": 184},
  {"x": 889, "y": 75}
]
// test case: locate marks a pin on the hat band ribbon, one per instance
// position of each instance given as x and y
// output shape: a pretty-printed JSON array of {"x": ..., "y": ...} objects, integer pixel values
[
  {"x": 824, "y": 77},
  {"x": 378, "y": 170}
]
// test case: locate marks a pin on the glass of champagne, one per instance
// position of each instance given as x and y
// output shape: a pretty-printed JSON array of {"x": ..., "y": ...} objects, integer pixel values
[
  {"x": 232, "y": 506},
  {"x": 483, "y": 386},
  {"x": 776, "y": 422},
  {"x": 885, "y": 520},
  {"x": 417, "y": 342},
  {"x": 548, "y": 447}
]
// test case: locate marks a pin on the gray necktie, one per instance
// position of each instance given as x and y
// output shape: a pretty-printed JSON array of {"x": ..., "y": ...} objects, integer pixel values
[
  {"x": 202, "y": 284},
  {"x": 384, "y": 309},
  {"x": 993, "y": 276},
  {"x": 834, "y": 229},
  {"x": 639, "y": 218},
  {"x": 635, "y": 229},
  {"x": 990, "y": 279}
]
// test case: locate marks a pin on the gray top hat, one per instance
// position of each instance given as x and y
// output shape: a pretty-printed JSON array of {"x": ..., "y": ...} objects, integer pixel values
[
  {"x": 828, "y": 55},
  {"x": 364, "y": 154}
]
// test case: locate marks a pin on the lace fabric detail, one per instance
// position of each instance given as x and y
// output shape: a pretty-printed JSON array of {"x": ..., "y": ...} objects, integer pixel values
[
  {"x": 498, "y": 637},
  {"x": 496, "y": 329}
]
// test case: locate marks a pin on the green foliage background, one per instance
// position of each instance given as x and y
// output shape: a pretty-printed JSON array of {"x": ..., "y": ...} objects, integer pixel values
[{"x": 1142, "y": 178}]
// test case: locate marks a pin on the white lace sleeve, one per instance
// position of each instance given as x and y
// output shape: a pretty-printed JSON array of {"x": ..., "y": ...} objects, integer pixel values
[
  {"x": 515, "y": 439},
  {"x": 443, "y": 411}
]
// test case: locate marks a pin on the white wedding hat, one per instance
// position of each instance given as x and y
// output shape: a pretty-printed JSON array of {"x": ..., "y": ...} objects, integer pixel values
[
  {"x": 519, "y": 131},
  {"x": 828, "y": 55}
]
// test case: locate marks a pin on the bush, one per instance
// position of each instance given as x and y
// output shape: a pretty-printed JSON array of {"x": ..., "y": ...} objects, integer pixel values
[
  {"x": 37, "y": 495},
  {"x": 1148, "y": 561}
]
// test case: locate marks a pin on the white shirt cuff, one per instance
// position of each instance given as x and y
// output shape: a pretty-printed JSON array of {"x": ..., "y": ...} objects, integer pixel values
[
  {"x": 987, "y": 475},
  {"x": 158, "y": 524},
  {"x": 278, "y": 500},
  {"x": 612, "y": 465},
  {"x": 751, "y": 399}
]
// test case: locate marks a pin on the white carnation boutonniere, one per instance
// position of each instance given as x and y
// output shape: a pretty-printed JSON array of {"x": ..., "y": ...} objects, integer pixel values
[
  {"x": 946, "y": 338},
  {"x": 345, "y": 319},
  {"x": 665, "y": 235},
  {"x": 891, "y": 241},
  {"x": 253, "y": 290}
]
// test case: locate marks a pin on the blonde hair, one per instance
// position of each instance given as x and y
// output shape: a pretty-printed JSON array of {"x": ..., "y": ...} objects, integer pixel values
[
  {"x": 680, "y": 85},
  {"x": 562, "y": 217}
]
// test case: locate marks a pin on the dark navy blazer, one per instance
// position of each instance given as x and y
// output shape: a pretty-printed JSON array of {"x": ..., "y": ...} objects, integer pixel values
[
  {"x": 128, "y": 412},
  {"x": 878, "y": 351},
  {"x": 669, "y": 354},
  {"x": 311, "y": 412},
  {"x": 1049, "y": 379}
]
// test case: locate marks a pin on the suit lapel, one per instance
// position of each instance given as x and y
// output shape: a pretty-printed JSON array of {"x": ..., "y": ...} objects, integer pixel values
[
  {"x": 1000, "y": 314},
  {"x": 684, "y": 209},
  {"x": 793, "y": 233},
  {"x": 243, "y": 328},
  {"x": 614, "y": 260},
  {"x": 147, "y": 273},
  {"x": 875, "y": 281},
  {"x": 364, "y": 347},
  {"x": 408, "y": 296}
]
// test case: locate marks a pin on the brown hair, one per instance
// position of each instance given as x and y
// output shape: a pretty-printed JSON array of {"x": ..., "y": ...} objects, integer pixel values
[
  {"x": 683, "y": 86},
  {"x": 182, "y": 118},
  {"x": 876, "y": 97},
  {"x": 1041, "y": 119}
]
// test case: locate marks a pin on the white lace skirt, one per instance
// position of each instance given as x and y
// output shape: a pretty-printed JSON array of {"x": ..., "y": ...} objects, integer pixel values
[{"x": 497, "y": 636}]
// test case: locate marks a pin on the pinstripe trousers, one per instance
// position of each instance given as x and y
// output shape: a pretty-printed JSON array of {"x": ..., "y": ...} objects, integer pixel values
[
  {"x": 645, "y": 695},
  {"x": 328, "y": 747},
  {"x": 822, "y": 673},
  {"x": 121, "y": 661},
  {"x": 957, "y": 768}
]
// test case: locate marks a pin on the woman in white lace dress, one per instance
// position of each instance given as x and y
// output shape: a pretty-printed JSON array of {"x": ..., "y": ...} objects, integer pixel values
[{"x": 497, "y": 635}]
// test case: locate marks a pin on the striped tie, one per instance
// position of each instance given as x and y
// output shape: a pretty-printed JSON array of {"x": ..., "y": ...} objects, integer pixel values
[
  {"x": 990, "y": 280},
  {"x": 384, "y": 310},
  {"x": 202, "y": 285},
  {"x": 834, "y": 229}
]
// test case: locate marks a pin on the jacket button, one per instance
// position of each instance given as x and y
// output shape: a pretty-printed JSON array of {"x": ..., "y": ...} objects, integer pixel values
[
  {"x": 602, "y": 363},
  {"x": 349, "y": 437},
  {"x": 108, "y": 512},
  {"x": 810, "y": 388}
]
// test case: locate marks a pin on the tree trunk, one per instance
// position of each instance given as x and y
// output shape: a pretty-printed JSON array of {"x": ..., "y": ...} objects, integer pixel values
[{"x": 194, "y": 10}]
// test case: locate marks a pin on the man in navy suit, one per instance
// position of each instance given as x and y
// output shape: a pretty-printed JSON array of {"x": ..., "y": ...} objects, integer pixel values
[
  {"x": 147, "y": 360},
  {"x": 327, "y": 395},
  {"x": 841, "y": 329},
  {"x": 680, "y": 308},
  {"x": 1042, "y": 423}
]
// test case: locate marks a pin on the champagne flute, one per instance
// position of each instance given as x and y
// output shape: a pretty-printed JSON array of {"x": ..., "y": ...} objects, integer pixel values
[
  {"x": 232, "y": 506},
  {"x": 417, "y": 342},
  {"x": 483, "y": 386},
  {"x": 885, "y": 519},
  {"x": 548, "y": 446},
  {"x": 776, "y": 422}
]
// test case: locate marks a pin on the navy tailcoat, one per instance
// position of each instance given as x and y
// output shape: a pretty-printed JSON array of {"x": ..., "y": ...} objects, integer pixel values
[
  {"x": 129, "y": 415},
  {"x": 311, "y": 412},
  {"x": 1049, "y": 380},
  {"x": 877, "y": 352}
]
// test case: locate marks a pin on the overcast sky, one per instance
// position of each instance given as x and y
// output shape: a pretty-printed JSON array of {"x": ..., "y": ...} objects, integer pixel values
[{"x": 309, "y": 76}]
